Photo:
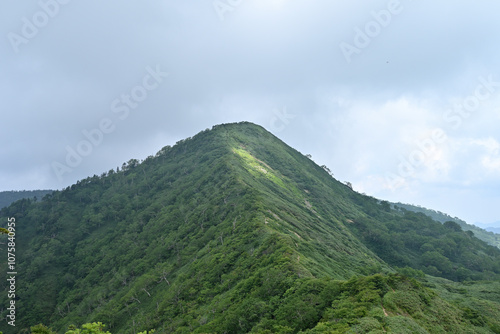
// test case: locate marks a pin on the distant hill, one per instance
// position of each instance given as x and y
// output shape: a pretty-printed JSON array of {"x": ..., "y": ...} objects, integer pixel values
[
  {"x": 487, "y": 235},
  {"x": 233, "y": 231},
  {"x": 493, "y": 229},
  {"x": 8, "y": 197}
]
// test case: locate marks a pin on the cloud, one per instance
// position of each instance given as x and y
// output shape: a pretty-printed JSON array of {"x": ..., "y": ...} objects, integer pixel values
[
  {"x": 359, "y": 118},
  {"x": 490, "y": 155}
]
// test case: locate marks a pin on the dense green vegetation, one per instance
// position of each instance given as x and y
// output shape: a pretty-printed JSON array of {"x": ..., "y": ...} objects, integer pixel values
[
  {"x": 90, "y": 328},
  {"x": 365, "y": 304},
  {"x": 232, "y": 231},
  {"x": 414, "y": 240},
  {"x": 9, "y": 197},
  {"x": 487, "y": 236}
]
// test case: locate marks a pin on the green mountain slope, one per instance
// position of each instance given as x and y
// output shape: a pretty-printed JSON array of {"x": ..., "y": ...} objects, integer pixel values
[
  {"x": 233, "y": 231},
  {"x": 487, "y": 236}
]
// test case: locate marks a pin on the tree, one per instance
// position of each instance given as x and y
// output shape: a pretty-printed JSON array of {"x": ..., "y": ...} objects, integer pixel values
[
  {"x": 452, "y": 226},
  {"x": 40, "y": 329},
  {"x": 327, "y": 169},
  {"x": 91, "y": 328}
]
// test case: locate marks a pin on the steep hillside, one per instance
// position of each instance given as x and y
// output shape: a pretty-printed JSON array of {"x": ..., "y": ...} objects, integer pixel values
[
  {"x": 490, "y": 237},
  {"x": 233, "y": 231}
]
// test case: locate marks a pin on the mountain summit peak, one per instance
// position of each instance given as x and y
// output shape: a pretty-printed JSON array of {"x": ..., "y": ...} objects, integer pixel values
[{"x": 233, "y": 231}]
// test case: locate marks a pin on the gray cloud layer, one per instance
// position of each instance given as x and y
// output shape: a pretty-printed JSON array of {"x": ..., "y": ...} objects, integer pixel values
[{"x": 364, "y": 84}]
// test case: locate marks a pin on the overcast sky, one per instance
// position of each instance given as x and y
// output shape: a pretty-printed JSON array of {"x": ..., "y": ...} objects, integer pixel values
[{"x": 401, "y": 98}]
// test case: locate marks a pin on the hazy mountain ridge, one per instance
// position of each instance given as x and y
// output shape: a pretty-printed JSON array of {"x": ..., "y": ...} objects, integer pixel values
[
  {"x": 490, "y": 236},
  {"x": 494, "y": 229},
  {"x": 233, "y": 231},
  {"x": 8, "y": 197}
]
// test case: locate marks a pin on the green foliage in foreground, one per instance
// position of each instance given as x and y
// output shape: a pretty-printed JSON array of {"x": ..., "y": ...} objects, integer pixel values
[
  {"x": 396, "y": 304},
  {"x": 91, "y": 328},
  {"x": 366, "y": 304},
  {"x": 232, "y": 231}
]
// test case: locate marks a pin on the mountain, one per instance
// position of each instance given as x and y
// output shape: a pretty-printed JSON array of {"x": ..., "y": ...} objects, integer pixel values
[
  {"x": 8, "y": 197},
  {"x": 233, "y": 231},
  {"x": 488, "y": 235},
  {"x": 493, "y": 229}
]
